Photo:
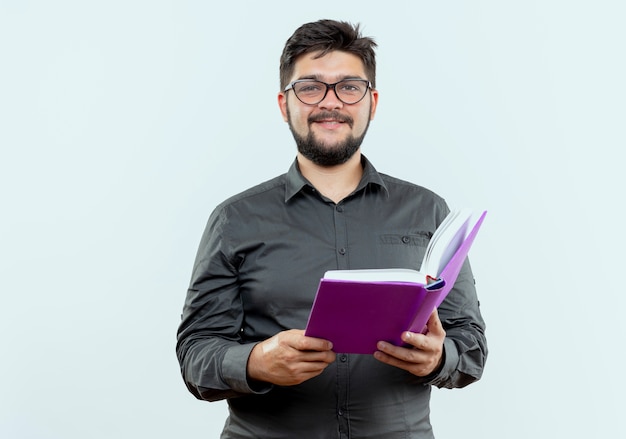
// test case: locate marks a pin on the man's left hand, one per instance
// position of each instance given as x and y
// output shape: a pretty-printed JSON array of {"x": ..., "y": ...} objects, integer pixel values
[{"x": 423, "y": 356}]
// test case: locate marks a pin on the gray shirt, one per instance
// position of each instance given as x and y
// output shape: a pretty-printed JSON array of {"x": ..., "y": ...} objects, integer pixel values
[{"x": 256, "y": 273}]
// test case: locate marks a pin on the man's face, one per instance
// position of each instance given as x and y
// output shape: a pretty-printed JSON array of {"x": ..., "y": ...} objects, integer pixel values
[{"x": 330, "y": 132}]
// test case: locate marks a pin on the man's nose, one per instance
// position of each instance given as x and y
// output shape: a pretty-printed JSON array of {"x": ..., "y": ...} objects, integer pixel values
[{"x": 331, "y": 101}]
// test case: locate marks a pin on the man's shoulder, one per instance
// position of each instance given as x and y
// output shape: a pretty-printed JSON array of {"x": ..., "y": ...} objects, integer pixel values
[
  {"x": 398, "y": 186},
  {"x": 262, "y": 191}
]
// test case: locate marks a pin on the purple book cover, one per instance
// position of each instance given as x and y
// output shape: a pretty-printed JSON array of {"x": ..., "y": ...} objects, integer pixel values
[
  {"x": 355, "y": 315},
  {"x": 449, "y": 275}
]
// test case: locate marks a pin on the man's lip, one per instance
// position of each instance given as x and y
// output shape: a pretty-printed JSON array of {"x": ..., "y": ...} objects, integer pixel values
[
  {"x": 330, "y": 119},
  {"x": 329, "y": 124}
]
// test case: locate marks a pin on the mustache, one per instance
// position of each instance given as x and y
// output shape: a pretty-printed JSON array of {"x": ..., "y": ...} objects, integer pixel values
[{"x": 334, "y": 115}]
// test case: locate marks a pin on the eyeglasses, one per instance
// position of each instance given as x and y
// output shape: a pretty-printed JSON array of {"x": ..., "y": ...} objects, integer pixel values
[{"x": 311, "y": 92}]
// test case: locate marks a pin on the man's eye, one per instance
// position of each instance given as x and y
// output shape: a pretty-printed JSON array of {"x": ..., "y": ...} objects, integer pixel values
[
  {"x": 309, "y": 88},
  {"x": 350, "y": 87}
]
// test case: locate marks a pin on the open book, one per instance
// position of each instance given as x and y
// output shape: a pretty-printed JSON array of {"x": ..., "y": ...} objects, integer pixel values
[{"x": 357, "y": 308}]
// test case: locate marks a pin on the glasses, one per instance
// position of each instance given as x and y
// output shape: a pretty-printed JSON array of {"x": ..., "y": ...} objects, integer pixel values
[{"x": 348, "y": 91}]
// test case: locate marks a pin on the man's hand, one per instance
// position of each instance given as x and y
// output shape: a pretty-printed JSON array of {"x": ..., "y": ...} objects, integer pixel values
[
  {"x": 289, "y": 358},
  {"x": 425, "y": 354}
]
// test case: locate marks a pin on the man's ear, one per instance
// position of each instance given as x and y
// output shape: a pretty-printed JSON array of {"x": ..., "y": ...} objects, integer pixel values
[
  {"x": 282, "y": 104},
  {"x": 374, "y": 104}
]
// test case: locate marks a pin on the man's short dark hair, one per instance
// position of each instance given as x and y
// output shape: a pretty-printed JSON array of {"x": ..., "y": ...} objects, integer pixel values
[{"x": 325, "y": 36}]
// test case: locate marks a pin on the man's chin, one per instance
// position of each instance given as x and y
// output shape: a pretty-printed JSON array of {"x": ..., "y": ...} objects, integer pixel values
[
  {"x": 329, "y": 138},
  {"x": 325, "y": 150},
  {"x": 328, "y": 155}
]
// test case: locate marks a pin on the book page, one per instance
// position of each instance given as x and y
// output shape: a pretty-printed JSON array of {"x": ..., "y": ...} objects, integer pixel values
[
  {"x": 445, "y": 241},
  {"x": 378, "y": 275}
]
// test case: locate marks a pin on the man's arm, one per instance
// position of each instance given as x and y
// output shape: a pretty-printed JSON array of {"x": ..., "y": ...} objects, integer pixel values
[
  {"x": 216, "y": 363},
  {"x": 209, "y": 348}
]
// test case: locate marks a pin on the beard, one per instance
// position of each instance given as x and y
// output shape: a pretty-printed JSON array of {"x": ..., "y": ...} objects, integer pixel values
[{"x": 323, "y": 154}]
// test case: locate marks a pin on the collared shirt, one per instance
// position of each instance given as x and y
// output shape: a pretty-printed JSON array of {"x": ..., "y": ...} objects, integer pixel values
[{"x": 257, "y": 269}]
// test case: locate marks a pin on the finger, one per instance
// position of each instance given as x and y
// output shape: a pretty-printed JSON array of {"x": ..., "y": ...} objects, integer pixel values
[
  {"x": 313, "y": 367},
  {"x": 325, "y": 357},
  {"x": 434, "y": 324},
  {"x": 310, "y": 348},
  {"x": 392, "y": 360},
  {"x": 426, "y": 341},
  {"x": 295, "y": 339},
  {"x": 399, "y": 353},
  {"x": 417, "y": 341},
  {"x": 312, "y": 344},
  {"x": 410, "y": 360}
]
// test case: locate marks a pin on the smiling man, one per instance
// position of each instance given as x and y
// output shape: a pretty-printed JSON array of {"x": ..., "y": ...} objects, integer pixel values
[
  {"x": 263, "y": 252},
  {"x": 329, "y": 107},
  {"x": 329, "y": 127}
]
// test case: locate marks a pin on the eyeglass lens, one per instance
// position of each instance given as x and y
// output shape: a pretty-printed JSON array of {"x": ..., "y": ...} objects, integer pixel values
[{"x": 349, "y": 91}]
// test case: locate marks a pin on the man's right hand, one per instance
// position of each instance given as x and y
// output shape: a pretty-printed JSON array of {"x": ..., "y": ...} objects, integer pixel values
[{"x": 289, "y": 358}]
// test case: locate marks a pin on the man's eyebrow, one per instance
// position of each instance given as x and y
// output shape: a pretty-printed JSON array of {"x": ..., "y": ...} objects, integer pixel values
[{"x": 317, "y": 77}]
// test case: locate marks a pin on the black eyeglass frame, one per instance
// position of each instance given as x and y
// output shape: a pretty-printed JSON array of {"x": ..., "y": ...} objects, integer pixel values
[{"x": 328, "y": 87}]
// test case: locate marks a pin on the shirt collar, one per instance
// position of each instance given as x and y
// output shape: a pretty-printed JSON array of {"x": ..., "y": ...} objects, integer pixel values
[{"x": 295, "y": 181}]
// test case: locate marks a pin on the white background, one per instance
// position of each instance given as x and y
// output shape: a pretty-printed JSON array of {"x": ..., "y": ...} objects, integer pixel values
[{"x": 123, "y": 123}]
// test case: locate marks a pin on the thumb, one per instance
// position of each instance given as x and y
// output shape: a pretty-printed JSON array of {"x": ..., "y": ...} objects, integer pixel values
[{"x": 434, "y": 325}]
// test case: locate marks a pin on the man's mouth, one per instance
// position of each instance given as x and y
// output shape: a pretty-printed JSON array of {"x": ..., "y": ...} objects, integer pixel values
[{"x": 330, "y": 120}]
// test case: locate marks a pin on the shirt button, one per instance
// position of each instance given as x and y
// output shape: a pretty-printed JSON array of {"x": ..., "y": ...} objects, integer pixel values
[
  {"x": 339, "y": 209},
  {"x": 406, "y": 239},
  {"x": 342, "y": 251},
  {"x": 343, "y": 358}
]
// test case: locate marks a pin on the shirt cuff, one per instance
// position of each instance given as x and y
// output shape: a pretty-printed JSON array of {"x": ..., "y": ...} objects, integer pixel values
[
  {"x": 451, "y": 359},
  {"x": 235, "y": 367}
]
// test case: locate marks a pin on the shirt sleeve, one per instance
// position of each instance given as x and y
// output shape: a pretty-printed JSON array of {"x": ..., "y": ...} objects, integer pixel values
[
  {"x": 211, "y": 354},
  {"x": 465, "y": 346}
]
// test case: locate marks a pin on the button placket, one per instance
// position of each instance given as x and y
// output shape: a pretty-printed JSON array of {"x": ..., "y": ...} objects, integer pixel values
[{"x": 341, "y": 236}]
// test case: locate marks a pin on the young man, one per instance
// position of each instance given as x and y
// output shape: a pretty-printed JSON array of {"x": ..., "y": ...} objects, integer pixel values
[{"x": 263, "y": 252}]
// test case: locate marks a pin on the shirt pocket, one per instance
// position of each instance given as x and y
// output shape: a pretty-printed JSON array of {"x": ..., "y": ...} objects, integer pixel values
[{"x": 401, "y": 250}]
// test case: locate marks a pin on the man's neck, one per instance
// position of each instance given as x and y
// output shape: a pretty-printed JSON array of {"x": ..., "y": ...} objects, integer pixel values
[{"x": 336, "y": 182}]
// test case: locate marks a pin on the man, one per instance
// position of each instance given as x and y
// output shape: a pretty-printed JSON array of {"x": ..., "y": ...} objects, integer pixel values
[{"x": 263, "y": 252}]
